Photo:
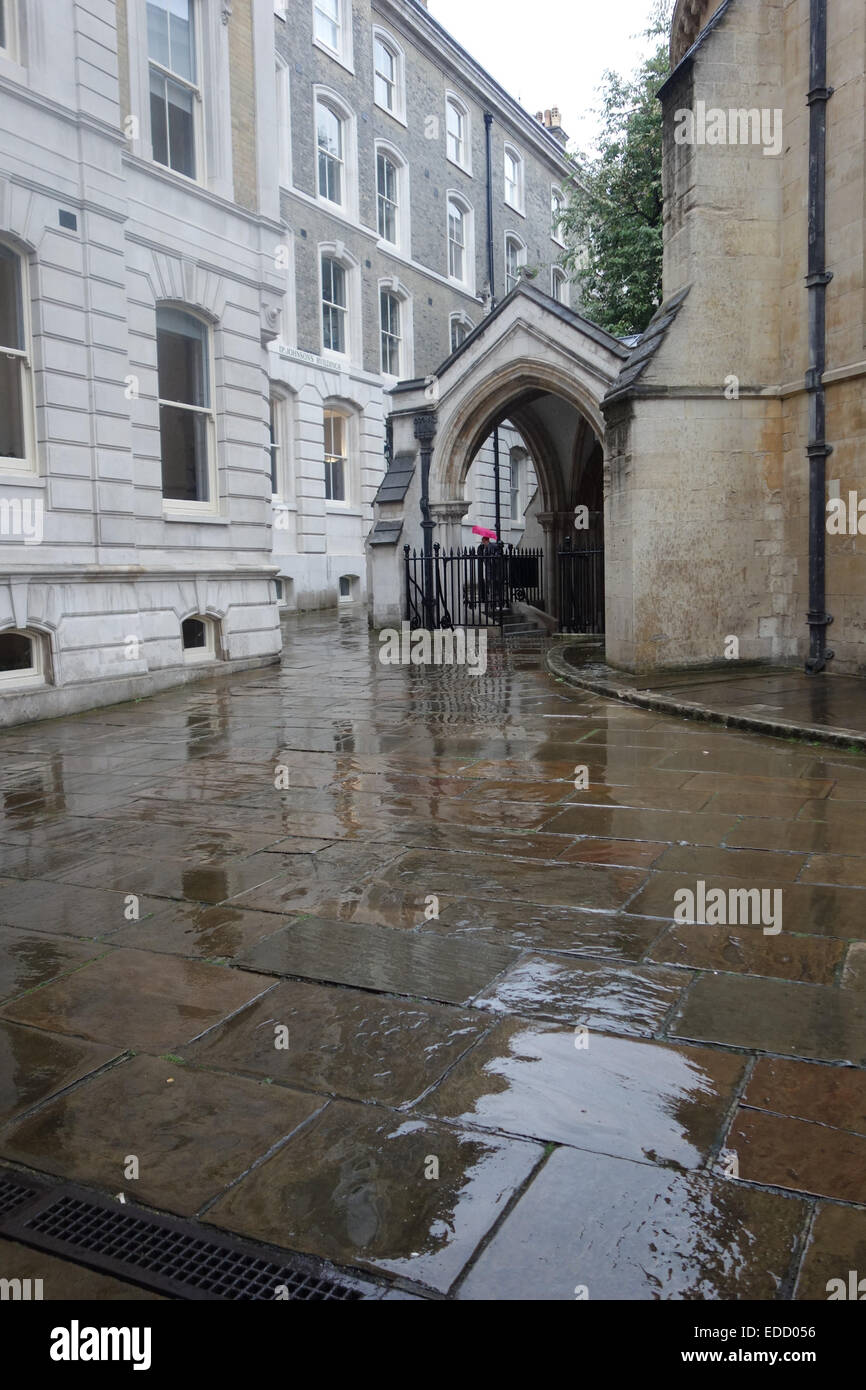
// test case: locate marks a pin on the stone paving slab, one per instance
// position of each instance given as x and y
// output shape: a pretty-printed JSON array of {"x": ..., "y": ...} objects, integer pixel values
[
  {"x": 38, "y": 1064},
  {"x": 835, "y": 1250},
  {"x": 64, "y": 1282}
]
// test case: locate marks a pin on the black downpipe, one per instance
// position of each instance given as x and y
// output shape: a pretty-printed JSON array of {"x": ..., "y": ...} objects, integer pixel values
[
  {"x": 817, "y": 281},
  {"x": 491, "y": 285}
]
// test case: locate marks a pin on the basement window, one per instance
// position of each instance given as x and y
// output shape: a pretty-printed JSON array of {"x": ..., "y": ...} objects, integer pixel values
[
  {"x": 22, "y": 660},
  {"x": 199, "y": 640}
]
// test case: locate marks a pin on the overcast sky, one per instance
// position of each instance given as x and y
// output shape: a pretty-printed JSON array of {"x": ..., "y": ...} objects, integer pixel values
[{"x": 551, "y": 52}]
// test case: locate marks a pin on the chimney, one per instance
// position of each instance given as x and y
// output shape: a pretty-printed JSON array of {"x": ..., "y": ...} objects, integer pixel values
[{"x": 552, "y": 121}]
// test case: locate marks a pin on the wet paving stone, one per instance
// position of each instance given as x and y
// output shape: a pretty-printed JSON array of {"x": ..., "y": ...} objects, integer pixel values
[
  {"x": 854, "y": 972},
  {"x": 698, "y": 828},
  {"x": 636, "y": 854},
  {"x": 749, "y": 866},
  {"x": 546, "y": 927},
  {"x": 65, "y": 910},
  {"x": 612, "y": 1095},
  {"x": 775, "y": 1016},
  {"x": 837, "y": 869},
  {"x": 799, "y": 1155},
  {"x": 342, "y": 1042},
  {"x": 203, "y": 932},
  {"x": 613, "y": 997},
  {"x": 381, "y": 958},
  {"x": 632, "y": 1231},
  {"x": 576, "y": 885},
  {"x": 834, "y": 1096},
  {"x": 171, "y": 1118},
  {"x": 62, "y": 1281},
  {"x": 138, "y": 999},
  {"x": 205, "y": 883},
  {"x": 834, "y": 1263},
  {"x": 37, "y": 1064},
  {"x": 806, "y": 909},
  {"x": 306, "y": 881},
  {"x": 812, "y": 960},
  {"x": 28, "y": 959},
  {"x": 353, "y": 1187}
]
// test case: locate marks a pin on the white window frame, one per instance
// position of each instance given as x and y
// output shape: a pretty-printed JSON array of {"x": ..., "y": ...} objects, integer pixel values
[
  {"x": 281, "y": 9},
  {"x": 29, "y": 464},
  {"x": 30, "y": 676},
  {"x": 338, "y": 252},
  {"x": 464, "y": 321},
  {"x": 403, "y": 226},
  {"x": 517, "y": 200},
  {"x": 348, "y": 414},
  {"x": 517, "y": 455},
  {"x": 196, "y": 656},
  {"x": 511, "y": 238},
  {"x": 284, "y": 124},
  {"x": 453, "y": 100},
  {"x": 348, "y": 208},
  {"x": 468, "y": 282},
  {"x": 555, "y": 233},
  {"x": 398, "y": 110},
  {"x": 9, "y": 51},
  {"x": 280, "y": 403},
  {"x": 197, "y": 89},
  {"x": 343, "y": 53},
  {"x": 176, "y": 508},
  {"x": 406, "y": 364},
  {"x": 558, "y": 277}
]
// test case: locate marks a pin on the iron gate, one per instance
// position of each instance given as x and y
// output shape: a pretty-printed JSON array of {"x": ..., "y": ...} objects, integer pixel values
[
  {"x": 580, "y": 574},
  {"x": 465, "y": 588}
]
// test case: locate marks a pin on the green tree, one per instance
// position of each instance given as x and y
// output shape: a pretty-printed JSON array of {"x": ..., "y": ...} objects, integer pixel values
[{"x": 612, "y": 222}]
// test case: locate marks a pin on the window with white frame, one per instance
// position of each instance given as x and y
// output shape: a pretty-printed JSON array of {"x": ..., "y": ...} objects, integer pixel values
[
  {"x": 557, "y": 207},
  {"x": 388, "y": 81},
  {"x": 461, "y": 327},
  {"x": 186, "y": 420},
  {"x": 336, "y": 456},
  {"x": 515, "y": 482},
  {"x": 457, "y": 132},
  {"x": 515, "y": 257},
  {"x": 331, "y": 143},
  {"x": 387, "y": 197},
  {"x": 559, "y": 284},
  {"x": 17, "y": 434},
  {"x": 513, "y": 179},
  {"x": 175, "y": 93},
  {"x": 284, "y": 126},
  {"x": 198, "y": 639},
  {"x": 390, "y": 321},
  {"x": 22, "y": 659},
  {"x": 335, "y": 306},
  {"x": 279, "y": 446},
  {"x": 332, "y": 25},
  {"x": 460, "y": 251},
  {"x": 8, "y": 29}
]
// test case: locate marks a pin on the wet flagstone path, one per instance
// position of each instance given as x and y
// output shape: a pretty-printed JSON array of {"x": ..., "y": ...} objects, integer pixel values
[{"x": 345, "y": 958}]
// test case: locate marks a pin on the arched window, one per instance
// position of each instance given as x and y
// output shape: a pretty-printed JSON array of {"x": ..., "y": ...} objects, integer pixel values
[
  {"x": 395, "y": 329},
  {"x": 17, "y": 431},
  {"x": 457, "y": 133},
  {"x": 559, "y": 284},
  {"x": 199, "y": 639},
  {"x": 460, "y": 328},
  {"x": 461, "y": 249},
  {"x": 284, "y": 128},
  {"x": 175, "y": 90},
  {"x": 186, "y": 420},
  {"x": 515, "y": 257},
  {"x": 513, "y": 179},
  {"x": 557, "y": 207},
  {"x": 331, "y": 145},
  {"x": 22, "y": 659},
  {"x": 335, "y": 306},
  {"x": 388, "y": 196},
  {"x": 279, "y": 446},
  {"x": 516, "y": 482},
  {"x": 389, "y": 87},
  {"x": 338, "y": 482}
]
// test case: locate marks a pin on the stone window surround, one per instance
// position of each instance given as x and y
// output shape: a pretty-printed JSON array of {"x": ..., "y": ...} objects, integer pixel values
[
  {"x": 387, "y": 38},
  {"x": 37, "y": 674},
  {"x": 403, "y": 243},
  {"x": 452, "y": 99},
  {"x": 458, "y": 317},
  {"x": 520, "y": 167},
  {"x": 284, "y": 122},
  {"x": 344, "y": 55},
  {"x": 28, "y": 467},
  {"x": 353, "y": 356},
  {"x": 175, "y": 510},
  {"x": 555, "y": 232},
  {"x": 9, "y": 51},
  {"x": 214, "y": 116},
  {"x": 453, "y": 195},
  {"x": 407, "y": 330},
  {"x": 512, "y": 237},
  {"x": 286, "y": 415},
  {"x": 558, "y": 276},
  {"x": 351, "y": 413},
  {"x": 344, "y": 113}
]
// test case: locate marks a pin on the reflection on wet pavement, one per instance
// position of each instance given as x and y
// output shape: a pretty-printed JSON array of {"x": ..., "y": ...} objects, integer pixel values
[{"x": 355, "y": 963}]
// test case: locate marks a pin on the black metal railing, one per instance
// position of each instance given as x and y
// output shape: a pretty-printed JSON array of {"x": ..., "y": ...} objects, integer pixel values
[
  {"x": 470, "y": 587},
  {"x": 580, "y": 581}
]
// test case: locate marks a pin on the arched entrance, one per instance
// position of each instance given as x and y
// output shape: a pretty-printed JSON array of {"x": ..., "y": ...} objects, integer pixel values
[{"x": 544, "y": 370}]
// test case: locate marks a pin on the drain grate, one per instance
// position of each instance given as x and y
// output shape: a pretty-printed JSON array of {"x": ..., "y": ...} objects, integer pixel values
[{"x": 180, "y": 1259}]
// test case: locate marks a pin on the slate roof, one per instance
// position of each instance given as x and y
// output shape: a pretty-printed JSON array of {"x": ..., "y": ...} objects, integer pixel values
[
  {"x": 395, "y": 484},
  {"x": 648, "y": 344},
  {"x": 385, "y": 533}
]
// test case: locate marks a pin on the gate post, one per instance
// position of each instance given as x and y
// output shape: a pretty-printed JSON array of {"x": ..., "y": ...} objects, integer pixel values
[{"x": 425, "y": 433}]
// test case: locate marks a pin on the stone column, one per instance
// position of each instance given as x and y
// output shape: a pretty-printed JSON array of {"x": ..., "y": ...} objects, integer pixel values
[{"x": 448, "y": 517}]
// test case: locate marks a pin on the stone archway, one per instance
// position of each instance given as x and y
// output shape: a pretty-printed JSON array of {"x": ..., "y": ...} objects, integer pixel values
[{"x": 533, "y": 362}]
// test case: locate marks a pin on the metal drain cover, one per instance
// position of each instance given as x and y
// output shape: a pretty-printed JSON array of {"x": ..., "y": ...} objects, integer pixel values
[{"x": 180, "y": 1259}]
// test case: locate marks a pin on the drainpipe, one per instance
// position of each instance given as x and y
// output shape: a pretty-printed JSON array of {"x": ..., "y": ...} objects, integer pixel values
[
  {"x": 817, "y": 281},
  {"x": 491, "y": 284}
]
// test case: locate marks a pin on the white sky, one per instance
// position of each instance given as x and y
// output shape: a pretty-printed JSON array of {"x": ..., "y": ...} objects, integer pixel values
[{"x": 551, "y": 52}]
